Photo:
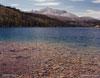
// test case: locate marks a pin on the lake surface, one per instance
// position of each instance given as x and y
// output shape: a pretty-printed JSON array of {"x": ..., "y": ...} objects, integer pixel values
[{"x": 76, "y": 37}]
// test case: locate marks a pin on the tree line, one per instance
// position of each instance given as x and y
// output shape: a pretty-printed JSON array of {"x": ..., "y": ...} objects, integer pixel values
[{"x": 12, "y": 17}]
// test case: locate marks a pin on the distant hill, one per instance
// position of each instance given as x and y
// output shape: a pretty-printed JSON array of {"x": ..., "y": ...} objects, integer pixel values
[
  {"x": 11, "y": 17},
  {"x": 54, "y": 12},
  {"x": 67, "y": 17}
]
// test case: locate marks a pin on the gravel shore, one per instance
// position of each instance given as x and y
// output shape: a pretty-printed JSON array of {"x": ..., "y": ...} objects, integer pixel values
[{"x": 47, "y": 60}]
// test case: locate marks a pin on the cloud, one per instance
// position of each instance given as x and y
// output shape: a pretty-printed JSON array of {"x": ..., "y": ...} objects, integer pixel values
[
  {"x": 48, "y": 3},
  {"x": 96, "y": 1},
  {"x": 77, "y": 0},
  {"x": 43, "y": 0},
  {"x": 91, "y": 13},
  {"x": 14, "y": 5}
]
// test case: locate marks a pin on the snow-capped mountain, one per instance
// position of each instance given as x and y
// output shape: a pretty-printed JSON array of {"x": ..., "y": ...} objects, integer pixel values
[
  {"x": 62, "y": 15},
  {"x": 55, "y": 12}
]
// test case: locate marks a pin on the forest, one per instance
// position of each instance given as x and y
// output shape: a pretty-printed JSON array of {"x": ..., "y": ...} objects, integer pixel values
[{"x": 12, "y": 17}]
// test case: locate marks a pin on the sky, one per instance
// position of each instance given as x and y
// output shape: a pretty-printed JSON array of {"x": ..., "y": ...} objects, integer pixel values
[{"x": 79, "y": 7}]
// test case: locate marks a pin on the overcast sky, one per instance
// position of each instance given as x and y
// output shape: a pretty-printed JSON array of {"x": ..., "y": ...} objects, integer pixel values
[{"x": 78, "y": 7}]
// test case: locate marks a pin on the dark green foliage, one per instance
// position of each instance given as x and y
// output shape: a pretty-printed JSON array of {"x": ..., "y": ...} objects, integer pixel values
[{"x": 11, "y": 17}]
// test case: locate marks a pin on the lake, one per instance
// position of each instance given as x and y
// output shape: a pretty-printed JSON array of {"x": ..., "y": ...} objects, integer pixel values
[{"x": 75, "y": 37}]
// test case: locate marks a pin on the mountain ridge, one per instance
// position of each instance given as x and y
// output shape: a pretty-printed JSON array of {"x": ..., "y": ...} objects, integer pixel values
[
  {"x": 67, "y": 17},
  {"x": 12, "y": 17},
  {"x": 57, "y": 12}
]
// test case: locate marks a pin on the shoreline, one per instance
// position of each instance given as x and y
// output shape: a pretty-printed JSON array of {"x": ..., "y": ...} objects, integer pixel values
[{"x": 47, "y": 60}]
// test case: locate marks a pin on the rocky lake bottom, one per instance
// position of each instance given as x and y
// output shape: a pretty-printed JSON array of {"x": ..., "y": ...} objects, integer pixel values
[{"x": 47, "y": 60}]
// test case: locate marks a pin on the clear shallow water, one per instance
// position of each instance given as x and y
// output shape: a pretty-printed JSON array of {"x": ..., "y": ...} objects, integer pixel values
[{"x": 77, "y": 37}]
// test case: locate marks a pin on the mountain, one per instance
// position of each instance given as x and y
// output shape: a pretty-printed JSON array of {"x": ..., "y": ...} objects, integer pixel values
[
  {"x": 88, "y": 19},
  {"x": 67, "y": 17},
  {"x": 56, "y": 13},
  {"x": 11, "y": 17}
]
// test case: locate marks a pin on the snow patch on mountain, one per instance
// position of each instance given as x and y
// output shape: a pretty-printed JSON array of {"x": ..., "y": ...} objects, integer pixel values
[{"x": 55, "y": 12}]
